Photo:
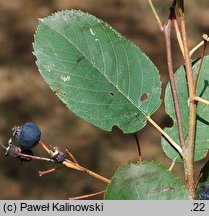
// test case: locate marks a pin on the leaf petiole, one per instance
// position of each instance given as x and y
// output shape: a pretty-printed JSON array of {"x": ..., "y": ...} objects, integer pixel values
[
  {"x": 156, "y": 15},
  {"x": 199, "y": 99},
  {"x": 172, "y": 142},
  {"x": 205, "y": 38}
]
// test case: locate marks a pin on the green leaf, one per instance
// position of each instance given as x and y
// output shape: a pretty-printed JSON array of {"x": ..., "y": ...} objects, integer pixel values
[
  {"x": 202, "y": 126},
  {"x": 99, "y": 75},
  {"x": 145, "y": 181}
]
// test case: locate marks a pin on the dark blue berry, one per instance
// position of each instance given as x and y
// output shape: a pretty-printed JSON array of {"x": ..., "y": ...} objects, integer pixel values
[
  {"x": 28, "y": 135},
  {"x": 204, "y": 193}
]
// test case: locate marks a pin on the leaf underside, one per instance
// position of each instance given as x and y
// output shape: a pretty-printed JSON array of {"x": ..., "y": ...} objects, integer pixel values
[
  {"x": 202, "y": 126},
  {"x": 145, "y": 181},
  {"x": 99, "y": 75}
]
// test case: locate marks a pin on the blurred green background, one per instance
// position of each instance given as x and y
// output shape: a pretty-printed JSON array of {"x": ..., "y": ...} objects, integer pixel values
[{"x": 24, "y": 96}]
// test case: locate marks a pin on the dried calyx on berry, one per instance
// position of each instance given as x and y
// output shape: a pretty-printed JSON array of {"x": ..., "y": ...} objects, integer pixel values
[
  {"x": 57, "y": 155},
  {"x": 16, "y": 152},
  {"x": 27, "y": 135},
  {"x": 204, "y": 193},
  {"x": 11, "y": 149}
]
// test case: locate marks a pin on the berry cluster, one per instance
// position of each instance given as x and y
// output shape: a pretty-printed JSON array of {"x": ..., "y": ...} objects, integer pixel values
[{"x": 28, "y": 136}]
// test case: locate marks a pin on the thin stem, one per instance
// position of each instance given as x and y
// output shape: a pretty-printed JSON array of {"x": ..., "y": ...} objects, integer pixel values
[
  {"x": 172, "y": 164},
  {"x": 177, "y": 147},
  {"x": 196, "y": 48},
  {"x": 205, "y": 39},
  {"x": 44, "y": 147},
  {"x": 138, "y": 147},
  {"x": 36, "y": 157},
  {"x": 88, "y": 195},
  {"x": 189, "y": 157},
  {"x": 200, "y": 65},
  {"x": 71, "y": 165},
  {"x": 199, "y": 99},
  {"x": 45, "y": 172},
  {"x": 91, "y": 173},
  {"x": 3, "y": 146},
  {"x": 167, "y": 30},
  {"x": 178, "y": 34},
  {"x": 75, "y": 166},
  {"x": 170, "y": 140},
  {"x": 156, "y": 15},
  {"x": 72, "y": 156}
]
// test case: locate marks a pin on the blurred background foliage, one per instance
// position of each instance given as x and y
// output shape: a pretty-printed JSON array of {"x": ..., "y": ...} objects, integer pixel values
[{"x": 24, "y": 96}]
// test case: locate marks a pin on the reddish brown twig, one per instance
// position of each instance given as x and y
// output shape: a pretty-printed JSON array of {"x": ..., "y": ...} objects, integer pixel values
[
  {"x": 189, "y": 153},
  {"x": 88, "y": 195},
  {"x": 45, "y": 172},
  {"x": 167, "y": 30}
]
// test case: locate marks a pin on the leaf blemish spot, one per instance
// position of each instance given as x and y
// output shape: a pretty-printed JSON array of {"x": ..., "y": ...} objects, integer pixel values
[
  {"x": 57, "y": 90},
  {"x": 144, "y": 97},
  {"x": 79, "y": 59}
]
